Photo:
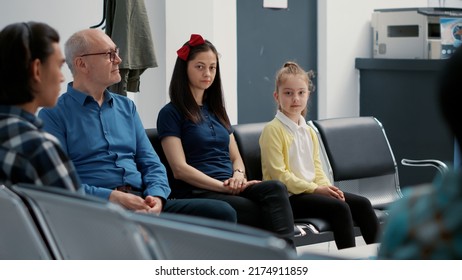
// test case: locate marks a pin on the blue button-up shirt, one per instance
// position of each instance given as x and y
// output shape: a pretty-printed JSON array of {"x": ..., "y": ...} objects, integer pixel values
[{"x": 107, "y": 144}]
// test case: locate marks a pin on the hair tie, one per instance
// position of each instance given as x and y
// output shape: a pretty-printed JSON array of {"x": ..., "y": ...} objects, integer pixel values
[{"x": 195, "y": 40}]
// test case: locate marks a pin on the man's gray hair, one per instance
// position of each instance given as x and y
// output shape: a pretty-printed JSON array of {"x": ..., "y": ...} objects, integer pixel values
[{"x": 75, "y": 46}]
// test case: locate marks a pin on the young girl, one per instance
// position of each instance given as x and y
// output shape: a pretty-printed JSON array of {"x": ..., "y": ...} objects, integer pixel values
[
  {"x": 290, "y": 154},
  {"x": 198, "y": 141}
]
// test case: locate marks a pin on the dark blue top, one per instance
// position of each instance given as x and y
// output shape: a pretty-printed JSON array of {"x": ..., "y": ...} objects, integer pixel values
[
  {"x": 107, "y": 144},
  {"x": 206, "y": 144}
]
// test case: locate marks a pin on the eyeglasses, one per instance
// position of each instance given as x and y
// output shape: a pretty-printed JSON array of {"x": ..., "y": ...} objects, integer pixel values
[{"x": 112, "y": 54}]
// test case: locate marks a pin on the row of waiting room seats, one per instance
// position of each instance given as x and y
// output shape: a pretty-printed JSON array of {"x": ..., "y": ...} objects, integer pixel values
[
  {"x": 356, "y": 156},
  {"x": 49, "y": 223}
]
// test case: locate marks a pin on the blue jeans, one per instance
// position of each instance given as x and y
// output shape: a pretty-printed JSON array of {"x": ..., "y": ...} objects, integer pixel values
[{"x": 206, "y": 208}]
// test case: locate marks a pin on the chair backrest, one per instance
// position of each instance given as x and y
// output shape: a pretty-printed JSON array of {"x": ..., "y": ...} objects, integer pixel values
[
  {"x": 86, "y": 228},
  {"x": 153, "y": 136},
  {"x": 360, "y": 157},
  {"x": 194, "y": 238},
  {"x": 19, "y": 236},
  {"x": 247, "y": 138}
]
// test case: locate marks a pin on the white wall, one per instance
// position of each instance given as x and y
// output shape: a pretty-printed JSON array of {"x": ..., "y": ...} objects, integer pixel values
[
  {"x": 445, "y": 3},
  {"x": 65, "y": 16},
  {"x": 344, "y": 33},
  {"x": 215, "y": 20},
  {"x": 171, "y": 23},
  {"x": 153, "y": 87}
]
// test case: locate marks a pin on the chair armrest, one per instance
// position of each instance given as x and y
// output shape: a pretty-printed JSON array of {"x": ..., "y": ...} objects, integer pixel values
[{"x": 441, "y": 166}]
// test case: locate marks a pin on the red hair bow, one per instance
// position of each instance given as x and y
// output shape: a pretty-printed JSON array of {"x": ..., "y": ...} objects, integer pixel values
[{"x": 195, "y": 40}]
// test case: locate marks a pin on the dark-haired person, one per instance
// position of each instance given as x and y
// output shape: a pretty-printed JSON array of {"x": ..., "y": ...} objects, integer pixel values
[
  {"x": 426, "y": 223},
  {"x": 30, "y": 77},
  {"x": 199, "y": 144},
  {"x": 103, "y": 135}
]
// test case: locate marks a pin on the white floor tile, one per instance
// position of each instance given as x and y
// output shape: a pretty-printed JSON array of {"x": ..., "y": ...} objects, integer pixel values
[{"x": 361, "y": 251}]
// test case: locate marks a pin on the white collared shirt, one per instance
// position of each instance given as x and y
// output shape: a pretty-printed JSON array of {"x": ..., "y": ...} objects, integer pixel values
[{"x": 301, "y": 162}]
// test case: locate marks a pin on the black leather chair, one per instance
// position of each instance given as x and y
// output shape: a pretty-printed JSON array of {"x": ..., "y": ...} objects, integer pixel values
[
  {"x": 356, "y": 156},
  {"x": 76, "y": 226},
  {"x": 20, "y": 238},
  {"x": 155, "y": 142},
  {"x": 80, "y": 227},
  {"x": 360, "y": 159},
  {"x": 182, "y": 237}
]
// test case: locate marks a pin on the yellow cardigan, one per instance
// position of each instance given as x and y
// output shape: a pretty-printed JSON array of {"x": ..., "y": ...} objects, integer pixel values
[{"x": 275, "y": 142}]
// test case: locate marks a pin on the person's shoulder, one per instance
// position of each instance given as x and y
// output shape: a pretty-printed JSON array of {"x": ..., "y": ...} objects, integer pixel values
[
  {"x": 30, "y": 137},
  {"x": 273, "y": 125},
  {"x": 423, "y": 194},
  {"x": 122, "y": 104},
  {"x": 271, "y": 129},
  {"x": 122, "y": 100},
  {"x": 311, "y": 130},
  {"x": 275, "y": 122},
  {"x": 169, "y": 109},
  {"x": 20, "y": 125},
  {"x": 169, "y": 116},
  {"x": 63, "y": 99},
  {"x": 60, "y": 105}
]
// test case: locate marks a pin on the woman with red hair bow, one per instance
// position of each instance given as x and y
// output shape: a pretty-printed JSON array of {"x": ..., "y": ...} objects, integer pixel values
[{"x": 198, "y": 141}]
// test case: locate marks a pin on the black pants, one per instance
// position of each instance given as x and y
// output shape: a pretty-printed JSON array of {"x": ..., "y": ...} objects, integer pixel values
[
  {"x": 206, "y": 208},
  {"x": 264, "y": 205},
  {"x": 340, "y": 215}
]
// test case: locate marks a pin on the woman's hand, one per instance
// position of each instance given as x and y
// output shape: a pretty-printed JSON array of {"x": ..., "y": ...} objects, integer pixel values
[{"x": 236, "y": 184}]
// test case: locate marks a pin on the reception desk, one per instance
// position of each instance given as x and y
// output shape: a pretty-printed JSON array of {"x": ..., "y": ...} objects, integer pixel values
[{"x": 402, "y": 94}]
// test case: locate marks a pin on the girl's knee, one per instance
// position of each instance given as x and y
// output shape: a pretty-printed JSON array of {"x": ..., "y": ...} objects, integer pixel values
[{"x": 340, "y": 206}]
